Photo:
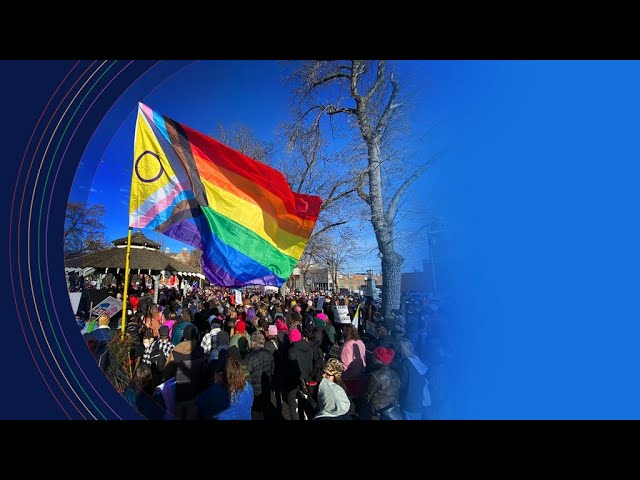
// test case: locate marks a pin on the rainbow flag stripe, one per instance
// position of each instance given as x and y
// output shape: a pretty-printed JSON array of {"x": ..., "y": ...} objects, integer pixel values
[{"x": 242, "y": 214}]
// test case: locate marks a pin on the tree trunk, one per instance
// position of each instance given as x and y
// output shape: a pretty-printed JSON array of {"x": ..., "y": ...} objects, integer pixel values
[
  {"x": 391, "y": 260},
  {"x": 391, "y": 268}
]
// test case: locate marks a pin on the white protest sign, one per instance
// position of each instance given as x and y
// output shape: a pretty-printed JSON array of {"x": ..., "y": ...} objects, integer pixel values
[
  {"x": 341, "y": 314},
  {"x": 109, "y": 307},
  {"x": 238, "y": 297}
]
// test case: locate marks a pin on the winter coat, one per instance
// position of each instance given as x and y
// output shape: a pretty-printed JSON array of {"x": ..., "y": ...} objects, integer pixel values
[
  {"x": 215, "y": 403},
  {"x": 412, "y": 382},
  {"x": 178, "y": 330},
  {"x": 332, "y": 401},
  {"x": 299, "y": 364},
  {"x": 383, "y": 388},
  {"x": 260, "y": 365},
  {"x": 187, "y": 364}
]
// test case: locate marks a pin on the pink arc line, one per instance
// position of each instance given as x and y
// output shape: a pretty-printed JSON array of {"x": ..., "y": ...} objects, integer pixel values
[
  {"x": 24, "y": 155},
  {"x": 18, "y": 245},
  {"x": 46, "y": 231}
]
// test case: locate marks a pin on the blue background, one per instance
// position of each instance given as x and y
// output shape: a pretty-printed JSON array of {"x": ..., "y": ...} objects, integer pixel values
[{"x": 541, "y": 195}]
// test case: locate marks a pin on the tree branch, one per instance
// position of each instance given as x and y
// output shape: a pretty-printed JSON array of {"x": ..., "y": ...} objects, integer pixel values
[
  {"x": 383, "y": 124},
  {"x": 360, "y": 186},
  {"x": 327, "y": 227},
  {"x": 358, "y": 69},
  {"x": 329, "y": 78},
  {"x": 331, "y": 201},
  {"x": 393, "y": 206},
  {"x": 379, "y": 80},
  {"x": 331, "y": 110}
]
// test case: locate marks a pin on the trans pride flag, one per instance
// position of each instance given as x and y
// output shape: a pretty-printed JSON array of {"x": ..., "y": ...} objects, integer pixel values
[{"x": 242, "y": 214}]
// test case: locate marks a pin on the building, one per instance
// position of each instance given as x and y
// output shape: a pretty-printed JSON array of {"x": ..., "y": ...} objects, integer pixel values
[
  {"x": 146, "y": 261},
  {"x": 357, "y": 282},
  {"x": 314, "y": 277}
]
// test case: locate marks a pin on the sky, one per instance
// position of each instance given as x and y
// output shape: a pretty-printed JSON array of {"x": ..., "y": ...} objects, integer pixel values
[{"x": 204, "y": 94}]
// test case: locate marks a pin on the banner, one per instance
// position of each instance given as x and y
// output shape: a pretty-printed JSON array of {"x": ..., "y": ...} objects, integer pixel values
[{"x": 109, "y": 307}]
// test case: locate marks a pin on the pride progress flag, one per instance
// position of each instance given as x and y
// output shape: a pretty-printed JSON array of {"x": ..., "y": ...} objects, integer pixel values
[{"x": 251, "y": 227}]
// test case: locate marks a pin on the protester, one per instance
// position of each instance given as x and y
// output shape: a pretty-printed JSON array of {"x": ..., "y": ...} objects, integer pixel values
[
  {"x": 333, "y": 403},
  {"x": 230, "y": 397}
]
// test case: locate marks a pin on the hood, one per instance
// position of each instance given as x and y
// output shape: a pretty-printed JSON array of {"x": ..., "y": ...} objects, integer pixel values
[
  {"x": 302, "y": 346},
  {"x": 417, "y": 363},
  {"x": 332, "y": 400},
  {"x": 185, "y": 347}
]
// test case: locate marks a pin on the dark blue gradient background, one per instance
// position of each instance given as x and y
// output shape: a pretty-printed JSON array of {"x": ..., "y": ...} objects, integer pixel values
[{"x": 540, "y": 192}]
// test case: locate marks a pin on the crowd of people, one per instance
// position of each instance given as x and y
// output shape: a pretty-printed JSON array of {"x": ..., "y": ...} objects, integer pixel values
[{"x": 206, "y": 355}]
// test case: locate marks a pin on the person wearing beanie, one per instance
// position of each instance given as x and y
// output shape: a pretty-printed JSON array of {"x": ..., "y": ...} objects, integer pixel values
[
  {"x": 222, "y": 340},
  {"x": 381, "y": 396},
  {"x": 333, "y": 402},
  {"x": 240, "y": 332},
  {"x": 271, "y": 339},
  {"x": 178, "y": 328},
  {"x": 298, "y": 371},
  {"x": 165, "y": 341},
  {"x": 260, "y": 366},
  {"x": 209, "y": 341},
  {"x": 187, "y": 364},
  {"x": 328, "y": 333}
]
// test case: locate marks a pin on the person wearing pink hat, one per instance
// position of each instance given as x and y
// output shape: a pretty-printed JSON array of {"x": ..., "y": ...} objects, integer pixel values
[
  {"x": 298, "y": 370},
  {"x": 271, "y": 342},
  {"x": 381, "y": 396},
  {"x": 240, "y": 331}
]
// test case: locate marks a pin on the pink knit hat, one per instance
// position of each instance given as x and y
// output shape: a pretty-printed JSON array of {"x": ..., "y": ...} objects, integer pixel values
[
  {"x": 295, "y": 335},
  {"x": 281, "y": 326},
  {"x": 273, "y": 330},
  {"x": 322, "y": 316}
]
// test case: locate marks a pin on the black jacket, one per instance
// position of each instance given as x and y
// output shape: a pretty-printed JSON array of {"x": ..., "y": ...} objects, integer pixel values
[
  {"x": 299, "y": 363},
  {"x": 383, "y": 388},
  {"x": 260, "y": 366},
  {"x": 411, "y": 386}
]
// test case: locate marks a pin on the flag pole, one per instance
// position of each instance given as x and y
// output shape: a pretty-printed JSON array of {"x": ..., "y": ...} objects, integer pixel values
[{"x": 126, "y": 281}]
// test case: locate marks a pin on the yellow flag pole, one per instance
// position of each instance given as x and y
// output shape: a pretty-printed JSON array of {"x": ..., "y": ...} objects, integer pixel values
[{"x": 126, "y": 282}]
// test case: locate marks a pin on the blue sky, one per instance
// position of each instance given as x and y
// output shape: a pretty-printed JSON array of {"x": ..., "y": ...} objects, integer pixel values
[{"x": 207, "y": 93}]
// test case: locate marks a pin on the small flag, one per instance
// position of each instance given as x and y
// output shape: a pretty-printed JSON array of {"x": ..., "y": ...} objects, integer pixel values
[{"x": 354, "y": 322}]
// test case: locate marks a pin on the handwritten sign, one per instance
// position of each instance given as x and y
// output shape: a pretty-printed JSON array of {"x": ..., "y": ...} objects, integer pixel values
[
  {"x": 109, "y": 307},
  {"x": 341, "y": 314}
]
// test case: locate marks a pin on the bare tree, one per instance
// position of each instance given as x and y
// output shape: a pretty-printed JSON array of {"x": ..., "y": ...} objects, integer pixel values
[
  {"x": 83, "y": 229},
  {"x": 335, "y": 251},
  {"x": 367, "y": 95},
  {"x": 195, "y": 259}
]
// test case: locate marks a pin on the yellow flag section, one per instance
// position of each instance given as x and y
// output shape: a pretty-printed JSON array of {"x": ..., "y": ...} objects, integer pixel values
[{"x": 154, "y": 184}]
